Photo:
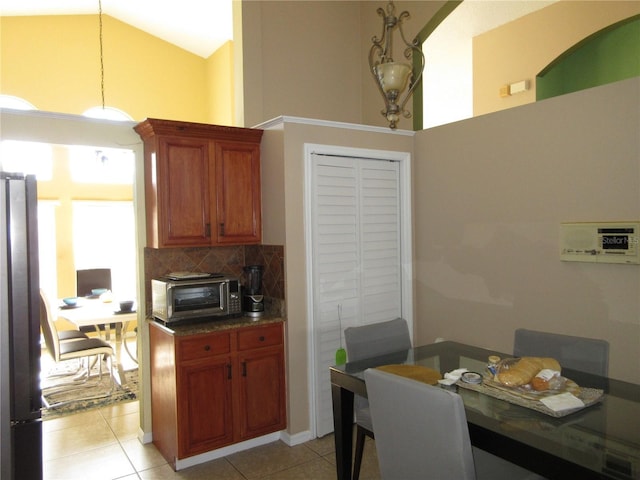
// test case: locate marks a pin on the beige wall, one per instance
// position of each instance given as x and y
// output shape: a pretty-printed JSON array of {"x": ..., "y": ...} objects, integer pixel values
[
  {"x": 489, "y": 195},
  {"x": 521, "y": 49},
  {"x": 309, "y": 59},
  {"x": 301, "y": 58},
  {"x": 283, "y": 224}
]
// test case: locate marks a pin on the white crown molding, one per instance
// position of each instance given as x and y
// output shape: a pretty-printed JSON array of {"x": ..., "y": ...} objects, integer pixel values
[{"x": 278, "y": 123}]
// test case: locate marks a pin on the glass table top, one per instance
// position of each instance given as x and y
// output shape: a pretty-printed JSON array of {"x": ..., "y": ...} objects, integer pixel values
[{"x": 603, "y": 438}]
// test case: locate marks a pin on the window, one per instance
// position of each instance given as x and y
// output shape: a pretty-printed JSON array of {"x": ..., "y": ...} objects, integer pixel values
[
  {"x": 27, "y": 157},
  {"x": 47, "y": 257},
  {"x": 15, "y": 103},
  {"x": 104, "y": 236},
  {"x": 107, "y": 113},
  {"x": 101, "y": 165}
]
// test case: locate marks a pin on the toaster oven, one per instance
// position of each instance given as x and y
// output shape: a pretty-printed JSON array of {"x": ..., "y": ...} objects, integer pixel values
[{"x": 181, "y": 296}]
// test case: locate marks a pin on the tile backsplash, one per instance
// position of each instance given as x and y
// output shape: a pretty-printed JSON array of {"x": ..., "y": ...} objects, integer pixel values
[{"x": 227, "y": 259}]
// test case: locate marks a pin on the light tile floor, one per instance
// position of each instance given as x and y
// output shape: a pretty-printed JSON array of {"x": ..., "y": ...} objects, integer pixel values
[{"x": 103, "y": 444}]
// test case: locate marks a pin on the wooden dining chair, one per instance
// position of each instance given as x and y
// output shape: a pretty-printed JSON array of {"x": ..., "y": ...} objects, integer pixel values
[
  {"x": 368, "y": 341},
  {"x": 588, "y": 355},
  {"x": 422, "y": 433}
]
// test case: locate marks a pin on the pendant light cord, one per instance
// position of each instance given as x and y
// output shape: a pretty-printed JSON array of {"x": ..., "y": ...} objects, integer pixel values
[{"x": 101, "y": 54}]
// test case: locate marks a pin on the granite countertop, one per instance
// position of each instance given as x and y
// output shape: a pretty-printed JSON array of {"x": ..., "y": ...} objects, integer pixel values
[{"x": 215, "y": 325}]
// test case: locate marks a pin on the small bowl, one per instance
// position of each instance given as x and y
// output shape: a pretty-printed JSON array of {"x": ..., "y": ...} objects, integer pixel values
[
  {"x": 70, "y": 301},
  {"x": 126, "y": 306},
  {"x": 99, "y": 291}
]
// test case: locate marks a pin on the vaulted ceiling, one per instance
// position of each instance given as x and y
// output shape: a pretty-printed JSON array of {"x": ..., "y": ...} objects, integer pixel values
[{"x": 197, "y": 26}]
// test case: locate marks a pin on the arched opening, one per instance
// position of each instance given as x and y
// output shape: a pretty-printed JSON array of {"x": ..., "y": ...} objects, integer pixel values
[
  {"x": 520, "y": 42},
  {"x": 610, "y": 55}
]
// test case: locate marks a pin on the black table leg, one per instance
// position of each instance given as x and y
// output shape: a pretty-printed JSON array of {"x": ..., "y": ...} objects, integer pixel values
[{"x": 343, "y": 429}]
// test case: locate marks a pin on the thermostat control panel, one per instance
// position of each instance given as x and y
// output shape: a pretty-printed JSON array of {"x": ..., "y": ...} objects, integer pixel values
[{"x": 605, "y": 242}]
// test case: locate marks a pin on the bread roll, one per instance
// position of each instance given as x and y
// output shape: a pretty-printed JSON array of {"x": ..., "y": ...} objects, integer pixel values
[
  {"x": 539, "y": 384},
  {"x": 525, "y": 369}
]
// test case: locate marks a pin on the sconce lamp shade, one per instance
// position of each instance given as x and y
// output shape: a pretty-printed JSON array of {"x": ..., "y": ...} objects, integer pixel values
[{"x": 393, "y": 76}]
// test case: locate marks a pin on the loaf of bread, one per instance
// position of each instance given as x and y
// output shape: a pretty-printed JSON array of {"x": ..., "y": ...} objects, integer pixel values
[{"x": 525, "y": 369}]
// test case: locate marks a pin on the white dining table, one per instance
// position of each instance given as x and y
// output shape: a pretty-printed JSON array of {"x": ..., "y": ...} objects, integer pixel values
[{"x": 96, "y": 312}]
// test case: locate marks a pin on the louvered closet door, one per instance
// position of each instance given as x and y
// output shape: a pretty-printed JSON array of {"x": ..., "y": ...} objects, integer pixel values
[{"x": 356, "y": 257}]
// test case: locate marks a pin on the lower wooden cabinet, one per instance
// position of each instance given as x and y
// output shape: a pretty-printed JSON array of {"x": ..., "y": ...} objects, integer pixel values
[{"x": 214, "y": 389}]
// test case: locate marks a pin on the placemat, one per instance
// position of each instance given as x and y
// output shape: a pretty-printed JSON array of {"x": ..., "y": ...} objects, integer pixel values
[
  {"x": 414, "y": 372},
  {"x": 531, "y": 399}
]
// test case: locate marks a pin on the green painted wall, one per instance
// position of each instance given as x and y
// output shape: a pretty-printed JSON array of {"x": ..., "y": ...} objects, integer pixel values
[{"x": 608, "y": 56}]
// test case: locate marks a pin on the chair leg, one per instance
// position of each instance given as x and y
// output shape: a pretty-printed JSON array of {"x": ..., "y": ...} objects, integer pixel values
[{"x": 357, "y": 461}]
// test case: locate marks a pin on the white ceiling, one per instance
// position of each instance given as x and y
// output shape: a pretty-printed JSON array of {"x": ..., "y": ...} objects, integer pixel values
[
  {"x": 202, "y": 26},
  {"x": 198, "y": 26}
]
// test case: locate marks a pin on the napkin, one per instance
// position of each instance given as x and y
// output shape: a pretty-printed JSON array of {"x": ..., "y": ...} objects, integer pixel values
[
  {"x": 562, "y": 401},
  {"x": 452, "y": 377}
]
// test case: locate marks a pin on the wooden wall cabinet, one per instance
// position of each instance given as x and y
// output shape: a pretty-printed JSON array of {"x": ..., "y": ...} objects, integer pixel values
[
  {"x": 214, "y": 389},
  {"x": 202, "y": 184}
]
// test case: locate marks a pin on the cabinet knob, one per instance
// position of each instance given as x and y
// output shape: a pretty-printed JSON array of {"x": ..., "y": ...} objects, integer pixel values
[
  {"x": 207, "y": 348},
  {"x": 261, "y": 338}
]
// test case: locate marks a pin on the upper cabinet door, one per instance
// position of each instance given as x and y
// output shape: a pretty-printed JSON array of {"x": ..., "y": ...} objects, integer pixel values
[
  {"x": 202, "y": 184},
  {"x": 238, "y": 216},
  {"x": 183, "y": 191}
]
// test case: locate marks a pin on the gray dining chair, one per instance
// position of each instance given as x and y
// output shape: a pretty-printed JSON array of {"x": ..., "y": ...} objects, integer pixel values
[
  {"x": 63, "y": 335},
  {"x": 588, "y": 355},
  {"x": 78, "y": 348},
  {"x": 368, "y": 341},
  {"x": 422, "y": 433}
]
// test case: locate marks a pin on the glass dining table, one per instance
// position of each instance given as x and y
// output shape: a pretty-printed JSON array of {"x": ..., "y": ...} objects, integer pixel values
[{"x": 599, "y": 441}]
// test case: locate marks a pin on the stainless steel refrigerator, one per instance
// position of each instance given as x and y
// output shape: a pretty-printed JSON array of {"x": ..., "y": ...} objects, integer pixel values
[{"x": 20, "y": 395}]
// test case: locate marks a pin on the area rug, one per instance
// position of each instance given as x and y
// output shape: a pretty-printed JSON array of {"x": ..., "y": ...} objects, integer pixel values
[{"x": 93, "y": 394}]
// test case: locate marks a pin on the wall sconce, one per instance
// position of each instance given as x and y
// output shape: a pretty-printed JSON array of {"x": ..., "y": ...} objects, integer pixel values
[{"x": 392, "y": 77}]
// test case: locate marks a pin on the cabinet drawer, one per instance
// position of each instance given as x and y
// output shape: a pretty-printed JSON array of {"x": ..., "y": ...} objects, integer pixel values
[
  {"x": 257, "y": 337},
  {"x": 204, "y": 346}
]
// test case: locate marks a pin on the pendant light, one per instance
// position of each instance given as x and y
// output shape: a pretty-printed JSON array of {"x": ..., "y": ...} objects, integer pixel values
[{"x": 390, "y": 76}]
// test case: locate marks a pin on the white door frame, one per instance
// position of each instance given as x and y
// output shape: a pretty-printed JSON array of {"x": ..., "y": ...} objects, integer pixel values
[
  {"x": 406, "y": 246},
  {"x": 67, "y": 129}
]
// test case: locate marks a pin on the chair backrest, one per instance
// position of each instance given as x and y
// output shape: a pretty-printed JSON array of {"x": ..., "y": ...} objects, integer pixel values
[
  {"x": 377, "y": 339},
  {"x": 577, "y": 353},
  {"x": 48, "y": 327},
  {"x": 87, "y": 280},
  {"x": 421, "y": 430}
]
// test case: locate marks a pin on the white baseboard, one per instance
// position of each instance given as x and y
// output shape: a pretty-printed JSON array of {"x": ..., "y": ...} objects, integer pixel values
[
  {"x": 223, "y": 452},
  {"x": 295, "y": 439},
  {"x": 143, "y": 437}
]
